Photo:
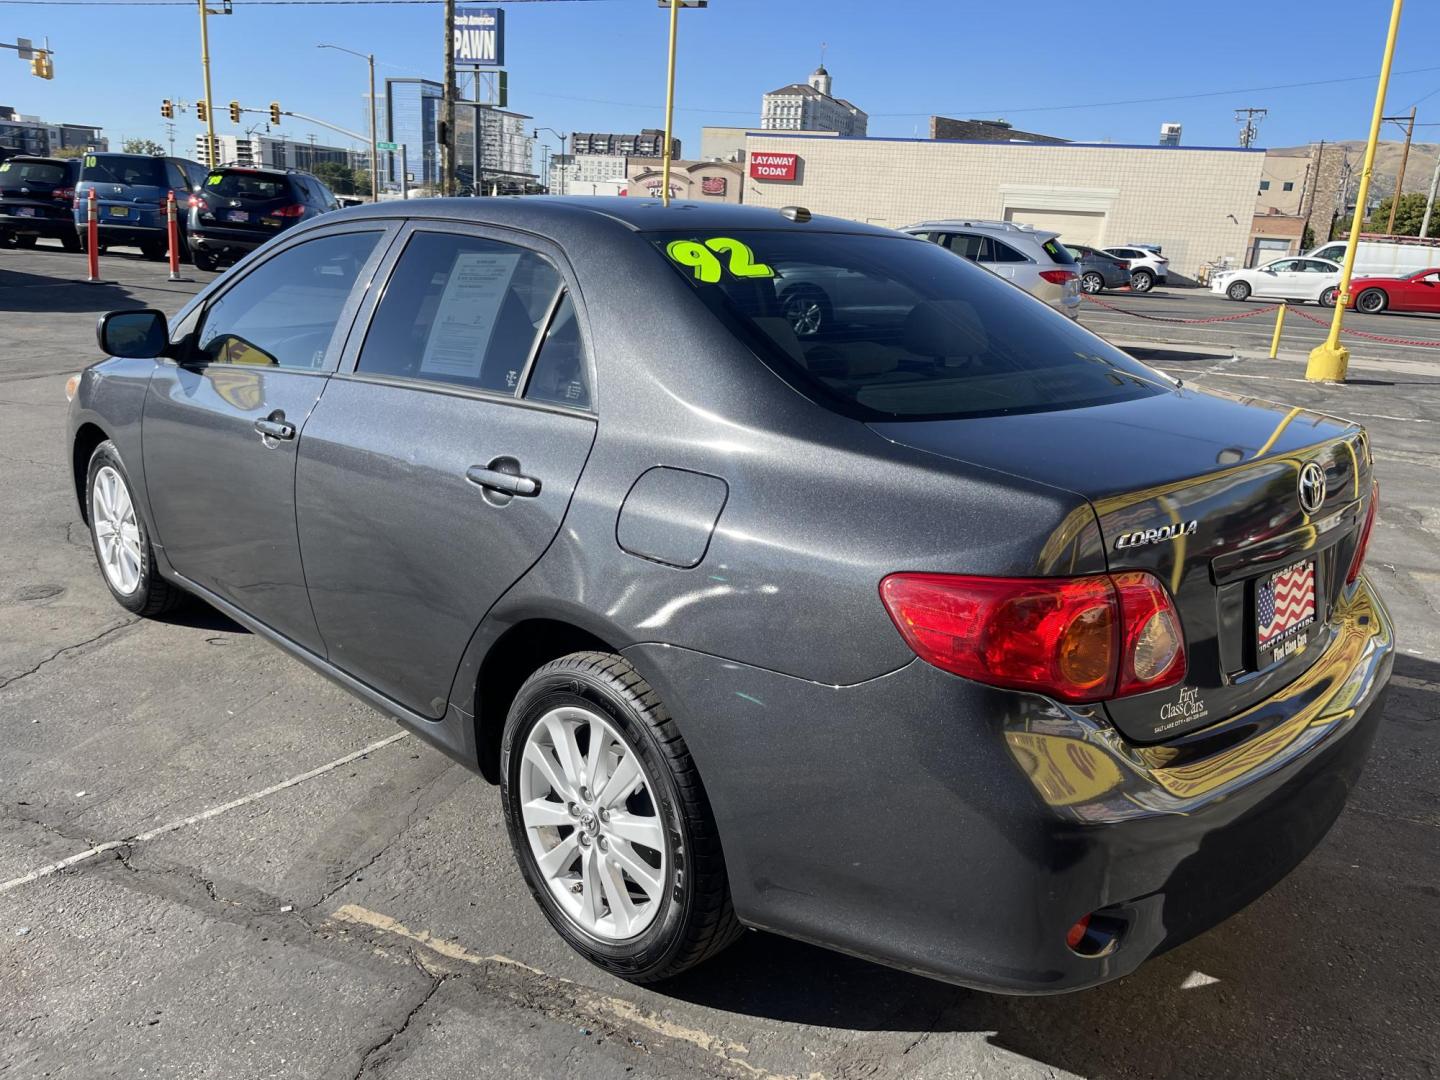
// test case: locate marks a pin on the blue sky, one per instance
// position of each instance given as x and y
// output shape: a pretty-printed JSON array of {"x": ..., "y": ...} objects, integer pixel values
[{"x": 600, "y": 64}]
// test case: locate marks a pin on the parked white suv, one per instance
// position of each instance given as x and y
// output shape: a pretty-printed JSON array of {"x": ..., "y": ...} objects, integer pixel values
[
  {"x": 1148, "y": 267},
  {"x": 1033, "y": 259}
]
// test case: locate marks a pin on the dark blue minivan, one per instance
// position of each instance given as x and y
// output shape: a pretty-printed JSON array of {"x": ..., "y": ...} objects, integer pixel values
[{"x": 131, "y": 190}]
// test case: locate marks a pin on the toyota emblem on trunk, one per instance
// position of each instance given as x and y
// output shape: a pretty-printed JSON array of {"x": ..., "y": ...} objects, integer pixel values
[{"x": 1312, "y": 487}]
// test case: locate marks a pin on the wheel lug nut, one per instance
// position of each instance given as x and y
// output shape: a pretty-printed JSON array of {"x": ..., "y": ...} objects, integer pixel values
[
  {"x": 584, "y": 839},
  {"x": 602, "y": 843},
  {"x": 574, "y": 809},
  {"x": 584, "y": 793},
  {"x": 577, "y": 887},
  {"x": 604, "y": 814}
]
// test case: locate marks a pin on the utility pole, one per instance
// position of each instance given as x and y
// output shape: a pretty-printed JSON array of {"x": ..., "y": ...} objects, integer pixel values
[
  {"x": 447, "y": 107},
  {"x": 1249, "y": 129},
  {"x": 214, "y": 158},
  {"x": 1430, "y": 202},
  {"x": 1404, "y": 157}
]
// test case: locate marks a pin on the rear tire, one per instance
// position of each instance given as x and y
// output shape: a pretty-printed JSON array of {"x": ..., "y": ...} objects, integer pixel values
[
  {"x": 1372, "y": 301},
  {"x": 154, "y": 249},
  {"x": 1329, "y": 296},
  {"x": 1238, "y": 290},
  {"x": 642, "y": 931},
  {"x": 204, "y": 260},
  {"x": 121, "y": 541},
  {"x": 1092, "y": 282},
  {"x": 71, "y": 242},
  {"x": 25, "y": 240},
  {"x": 1141, "y": 281}
]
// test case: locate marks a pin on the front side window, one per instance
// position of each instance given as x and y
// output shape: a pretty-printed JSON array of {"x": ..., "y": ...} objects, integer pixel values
[
  {"x": 284, "y": 312},
  {"x": 461, "y": 310},
  {"x": 1284, "y": 266},
  {"x": 884, "y": 328},
  {"x": 965, "y": 245}
]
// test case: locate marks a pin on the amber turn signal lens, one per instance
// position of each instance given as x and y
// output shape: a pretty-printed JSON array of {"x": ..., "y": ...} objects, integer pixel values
[{"x": 72, "y": 387}]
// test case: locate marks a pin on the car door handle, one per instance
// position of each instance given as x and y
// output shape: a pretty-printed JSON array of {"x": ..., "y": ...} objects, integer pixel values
[
  {"x": 507, "y": 483},
  {"x": 275, "y": 429}
]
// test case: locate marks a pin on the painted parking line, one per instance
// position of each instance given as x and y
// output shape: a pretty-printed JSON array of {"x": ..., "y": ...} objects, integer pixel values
[
  {"x": 193, "y": 819},
  {"x": 604, "y": 1006}
]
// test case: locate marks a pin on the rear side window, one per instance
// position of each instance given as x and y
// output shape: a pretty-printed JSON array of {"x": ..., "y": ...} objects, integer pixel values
[
  {"x": 17, "y": 174},
  {"x": 1058, "y": 252},
  {"x": 284, "y": 312},
  {"x": 965, "y": 245},
  {"x": 247, "y": 185},
  {"x": 559, "y": 375},
  {"x": 1004, "y": 253},
  {"x": 885, "y": 328},
  {"x": 461, "y": 310},
  {"x": 123, "y": 169}
]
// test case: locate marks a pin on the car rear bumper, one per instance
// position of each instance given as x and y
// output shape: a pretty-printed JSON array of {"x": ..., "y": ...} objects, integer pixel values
[
  {"x": 218, "y": 241},
  {"x": 945, "y": 828},
  {"x": 42, "y": 224}
]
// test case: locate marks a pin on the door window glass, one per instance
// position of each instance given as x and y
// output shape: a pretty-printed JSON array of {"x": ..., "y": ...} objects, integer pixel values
[
  {"x": 1004, "y": 253},
  {"x": 559, "y": 374},
  {"x": 460, "y": 310},
  {"x": 965, "y": 245},
  {"x": 1284, "y": 266},
  {"x": 283, "y": 313}
]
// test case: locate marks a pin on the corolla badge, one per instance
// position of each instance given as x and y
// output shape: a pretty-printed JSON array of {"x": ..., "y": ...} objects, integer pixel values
[
  {"x": 1154, "y": 536},
  {"x": 1312, "y": 487}
]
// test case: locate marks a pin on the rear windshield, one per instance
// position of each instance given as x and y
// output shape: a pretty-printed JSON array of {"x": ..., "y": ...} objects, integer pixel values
[
  {"x": 1058, "y": 252},
  {"x": 885, "y": 327},
  {"x": 18, "y": 174},
  {"x": 124, "y": 169},
  {"x": 243, "y": 185}
]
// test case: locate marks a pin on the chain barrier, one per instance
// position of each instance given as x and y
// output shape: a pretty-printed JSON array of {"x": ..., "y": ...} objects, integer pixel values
[
  {"x": 1166, "y": 319},
  {"x": 1362, "y": 334},
  {"x": 1292, "y": 308}
]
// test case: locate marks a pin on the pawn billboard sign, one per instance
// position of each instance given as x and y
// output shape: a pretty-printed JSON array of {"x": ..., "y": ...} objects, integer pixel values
[{"x": 479, "y": 37}]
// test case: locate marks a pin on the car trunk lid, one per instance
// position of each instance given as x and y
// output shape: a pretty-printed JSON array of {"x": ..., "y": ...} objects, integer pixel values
[{"x": 1200, "y": 489}]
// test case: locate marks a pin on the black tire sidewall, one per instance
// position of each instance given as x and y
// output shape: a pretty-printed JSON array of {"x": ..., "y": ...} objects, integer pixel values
[
  {"x": 548, "y": 690},
  {"x": 1377, "y": 308},
  {"x": 1142, "y": 281},
  {"x": 1237, "y": 287},
  {"x": 106, "y": 454},
  {"x": 1092, "y": 277}
]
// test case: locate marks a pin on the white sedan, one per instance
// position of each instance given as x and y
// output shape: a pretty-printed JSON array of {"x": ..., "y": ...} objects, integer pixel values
[{"x": 1282, "y": 279}]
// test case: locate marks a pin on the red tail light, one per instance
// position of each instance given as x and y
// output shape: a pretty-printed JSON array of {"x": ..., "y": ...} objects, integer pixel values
[
  {"x": 1058, "y": 277},
  {"x": 286, "y": 211},
  {"x": 1074, "y": 639},
  {"x": 192, "y": 201},
  {"x": 1358, "y": 560}
]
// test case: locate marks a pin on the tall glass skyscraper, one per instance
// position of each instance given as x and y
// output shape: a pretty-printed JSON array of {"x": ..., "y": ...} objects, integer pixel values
[{"x": 411, "y": 117}]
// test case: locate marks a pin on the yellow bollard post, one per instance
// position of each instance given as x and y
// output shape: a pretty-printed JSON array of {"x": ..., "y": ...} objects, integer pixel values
[
  {"x": 1279, "y": 326},
  {"x": 1330, "y": 361}
]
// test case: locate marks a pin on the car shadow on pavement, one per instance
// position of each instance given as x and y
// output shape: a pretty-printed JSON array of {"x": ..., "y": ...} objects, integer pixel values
[
  {"x": 1330, "y": 973},
  {"x": 20, "y": 291},
  {"x": 195, "y": 614}
]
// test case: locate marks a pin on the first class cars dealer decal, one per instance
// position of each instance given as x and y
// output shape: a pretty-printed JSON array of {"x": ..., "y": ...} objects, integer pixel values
[{"x": 774, "y": 166}]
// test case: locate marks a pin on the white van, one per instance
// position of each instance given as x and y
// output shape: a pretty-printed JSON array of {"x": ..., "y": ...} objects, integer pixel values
[{"x": 1383, "y": 258}]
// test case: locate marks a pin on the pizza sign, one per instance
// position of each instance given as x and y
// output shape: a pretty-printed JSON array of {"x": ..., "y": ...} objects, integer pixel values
[{"x": 782, "y": 167}]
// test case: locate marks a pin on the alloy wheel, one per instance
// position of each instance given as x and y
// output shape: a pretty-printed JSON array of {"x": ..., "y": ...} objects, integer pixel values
[
  {"x": 117, "y": 532},
  {"x": 805, "y": 314},
  {"x": 1092, "y": 282},
  {"x": 592, "y": 823}
]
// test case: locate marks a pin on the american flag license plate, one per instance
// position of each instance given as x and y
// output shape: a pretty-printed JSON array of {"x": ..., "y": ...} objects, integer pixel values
[{"x": 1284, "y": 606}]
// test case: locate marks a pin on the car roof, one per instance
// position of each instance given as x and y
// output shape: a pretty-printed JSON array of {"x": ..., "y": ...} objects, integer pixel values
[
  {"x": 1009, "y": 228},
  {"x": 542, "y": 213},
  {"x": 42, "y": 158}
]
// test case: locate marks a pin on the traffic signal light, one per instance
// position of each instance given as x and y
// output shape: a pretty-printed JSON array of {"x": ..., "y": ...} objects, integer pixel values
[
  {"x": 41, "y": 66},
  {"x": 234, "y": 112},
  {"x": 202, "y": 111},
  {"x": 274, "y": 112},
  {"x": 502, "y": 89},
  {"x": 167, "y": 109}
]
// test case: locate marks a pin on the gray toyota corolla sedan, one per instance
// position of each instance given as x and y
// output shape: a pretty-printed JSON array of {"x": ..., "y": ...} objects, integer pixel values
[{"x": 941, "y": 633}]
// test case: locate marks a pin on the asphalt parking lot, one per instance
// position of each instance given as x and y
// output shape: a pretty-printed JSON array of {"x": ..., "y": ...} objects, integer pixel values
[{"x": 289, "y": 887}]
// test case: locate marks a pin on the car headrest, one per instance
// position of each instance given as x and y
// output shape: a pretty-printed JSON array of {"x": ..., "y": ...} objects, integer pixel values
[{"x": 941, "y": 328}]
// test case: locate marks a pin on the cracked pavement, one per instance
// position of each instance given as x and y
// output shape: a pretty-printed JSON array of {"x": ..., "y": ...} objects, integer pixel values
[{"x": 367, "y": 921}]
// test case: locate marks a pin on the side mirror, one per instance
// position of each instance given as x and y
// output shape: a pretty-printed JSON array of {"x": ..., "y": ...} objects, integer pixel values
[{"x": 134, "y": 335}]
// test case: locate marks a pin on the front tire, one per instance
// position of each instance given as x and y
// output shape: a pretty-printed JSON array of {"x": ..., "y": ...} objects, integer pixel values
[
  {"x": 1092, "y": 282},
  {"x": 1372, "y": 302},
  {"x": 1141, "y": 281},
  {"x": 1238, "y": 290},
  {"x": 610, "y": 823},
  {"x": 121, "y": 541}
]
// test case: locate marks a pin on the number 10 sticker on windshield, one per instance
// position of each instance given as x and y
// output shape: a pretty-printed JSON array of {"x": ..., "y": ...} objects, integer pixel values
[{"x": 702, "y": 260}]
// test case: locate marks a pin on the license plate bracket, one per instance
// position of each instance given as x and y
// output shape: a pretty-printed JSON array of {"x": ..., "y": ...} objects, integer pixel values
[
  {"x": 119, "y": 211},
  {"x": 236, "y": 215},
  {"x": 1285, "y": 605}
]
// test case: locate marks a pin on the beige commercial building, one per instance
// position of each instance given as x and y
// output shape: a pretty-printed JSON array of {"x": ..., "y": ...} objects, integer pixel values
[
  {"x": 1197, "y": 203},
  {"x": 703, "y": 181}
]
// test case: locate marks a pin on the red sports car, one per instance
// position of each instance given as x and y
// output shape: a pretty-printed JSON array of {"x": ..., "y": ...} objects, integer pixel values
[{"x": 1419, "y": 291}]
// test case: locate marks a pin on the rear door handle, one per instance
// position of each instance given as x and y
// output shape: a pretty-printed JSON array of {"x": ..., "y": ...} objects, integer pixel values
[
  {"x": 276, "y": 429},
  {"x": 508, "y": 483}
]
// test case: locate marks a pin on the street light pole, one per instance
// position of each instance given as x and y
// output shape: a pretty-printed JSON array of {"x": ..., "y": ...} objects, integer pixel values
[
  {"x": 669, "y": 104},
  {"x": 209, "y": 101},
  {"x": 562, "y": 136},
  {"x": 374, "y": 148},
  {"x": 1330, "y": 361}
]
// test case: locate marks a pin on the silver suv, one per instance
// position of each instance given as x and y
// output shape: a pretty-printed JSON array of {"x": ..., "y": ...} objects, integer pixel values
[{"x": 1032, "y": 258}]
